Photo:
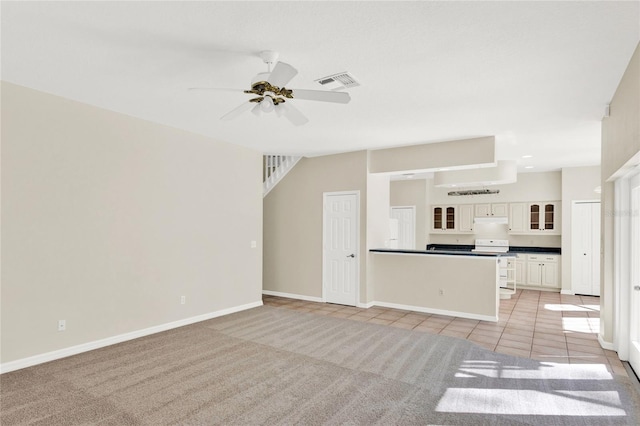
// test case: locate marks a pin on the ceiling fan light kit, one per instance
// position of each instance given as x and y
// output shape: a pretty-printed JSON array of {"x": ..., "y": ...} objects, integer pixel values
[{"x": 273, "y": 95}]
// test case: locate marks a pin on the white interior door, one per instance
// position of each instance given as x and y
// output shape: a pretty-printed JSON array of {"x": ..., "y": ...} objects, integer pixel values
[
  {"x": 634, "y": 346},
  {"x": 340, "y": 252},
  {"x": 406, "y": 217},
  {"x": 585, "y": 248}
]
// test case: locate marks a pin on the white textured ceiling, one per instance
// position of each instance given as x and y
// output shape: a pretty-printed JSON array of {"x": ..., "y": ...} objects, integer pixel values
[{"x": 537, "y": 75}]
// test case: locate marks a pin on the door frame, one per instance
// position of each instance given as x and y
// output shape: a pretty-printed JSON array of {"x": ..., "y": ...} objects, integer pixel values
[
  {"x": 357, "y": 245},
  {"x": 622, "y": 264},
  {"x": 413, "y": 209}
]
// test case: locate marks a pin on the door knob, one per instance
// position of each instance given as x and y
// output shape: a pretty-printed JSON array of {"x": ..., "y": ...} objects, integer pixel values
[
  {"x": 351, "y": 255},
  {"x": 636, "y": 287}
]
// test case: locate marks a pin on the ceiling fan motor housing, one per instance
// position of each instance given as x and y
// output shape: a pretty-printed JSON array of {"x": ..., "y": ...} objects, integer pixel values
[{"x": 269, "y": 56}]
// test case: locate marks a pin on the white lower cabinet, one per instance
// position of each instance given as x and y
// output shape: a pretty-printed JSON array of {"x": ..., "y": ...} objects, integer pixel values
[
  {"x": 542, "y": 271},
  {"x": 521, "y": 267}
]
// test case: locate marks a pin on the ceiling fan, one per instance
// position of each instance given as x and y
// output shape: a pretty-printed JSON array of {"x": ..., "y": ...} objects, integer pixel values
[{"x": 271, "y": 95}]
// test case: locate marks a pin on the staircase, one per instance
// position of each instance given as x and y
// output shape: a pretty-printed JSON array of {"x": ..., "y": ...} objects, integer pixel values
[{"x": 275, "y": 168}]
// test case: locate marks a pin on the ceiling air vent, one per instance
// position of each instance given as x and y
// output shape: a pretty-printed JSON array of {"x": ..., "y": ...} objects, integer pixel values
[{"x": 342, "y": 80}]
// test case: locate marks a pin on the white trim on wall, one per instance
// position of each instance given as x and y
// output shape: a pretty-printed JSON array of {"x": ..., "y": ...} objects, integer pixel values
[
  {"x": 97, "y": 344},
  {"x": 621, "y": 245},
  {"x": 390, "y": 305},
  {"x": 436, "y": 311}
]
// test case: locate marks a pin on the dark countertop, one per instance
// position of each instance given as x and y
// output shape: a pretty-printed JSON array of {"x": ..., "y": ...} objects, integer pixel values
[
  {"x": 443, "y": 252},
  {"x": 512, "y": 249}
]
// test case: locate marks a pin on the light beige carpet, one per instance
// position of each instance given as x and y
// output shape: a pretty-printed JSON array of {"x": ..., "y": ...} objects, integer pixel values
[{"x": 276, "y": 366}]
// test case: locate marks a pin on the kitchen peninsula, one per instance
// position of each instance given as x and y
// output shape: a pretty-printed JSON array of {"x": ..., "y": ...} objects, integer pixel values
[{"x": 448, "y": 282}]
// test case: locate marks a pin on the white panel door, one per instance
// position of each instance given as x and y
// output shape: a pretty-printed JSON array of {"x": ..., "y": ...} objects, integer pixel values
[
  {"x": 340, "y": 258},
  {"x": 585, "y": 248},
  {"x": 406, "y": 217},
  {"x": 634, "y": 346}
]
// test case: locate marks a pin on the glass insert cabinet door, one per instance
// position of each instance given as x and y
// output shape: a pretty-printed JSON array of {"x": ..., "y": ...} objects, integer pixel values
[
  {"x": 542, "y": 217},
  {"x": 437, "y": 218},
  {"x": 548, "y": 216},
  {"x": 534, "y": 216},
  {"x": 444, "y": 218},
  {"x": 451, "y": 218}
]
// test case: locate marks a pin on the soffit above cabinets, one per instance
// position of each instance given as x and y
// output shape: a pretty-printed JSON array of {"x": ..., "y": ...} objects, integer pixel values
[{"x": 506, "y": 171}]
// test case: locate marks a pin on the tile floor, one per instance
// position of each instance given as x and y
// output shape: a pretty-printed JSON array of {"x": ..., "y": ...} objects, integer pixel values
[{"x": 545, "y": 326}]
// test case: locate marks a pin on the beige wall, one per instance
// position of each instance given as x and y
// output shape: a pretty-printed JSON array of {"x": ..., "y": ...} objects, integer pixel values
[
  {"x": 621, "y": 130},
  {"x": 578, "y": 184},
  {"x": 413, "y": 193},
  {"x": 378, "y": 232},
  {"x": 293, "y": 222},
  {"x": 620, "y": 142},
  {"x": 465, "y": 152},
  {"x": 464, "y": 286},
  {"x": 107, "y": 220}
]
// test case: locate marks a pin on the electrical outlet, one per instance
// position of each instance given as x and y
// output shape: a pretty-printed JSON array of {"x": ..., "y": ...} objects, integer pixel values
[
  {"x": 62, "y": 325},
  {"x": 254, "y": 244},
  {"x": 183, "y": 300}
]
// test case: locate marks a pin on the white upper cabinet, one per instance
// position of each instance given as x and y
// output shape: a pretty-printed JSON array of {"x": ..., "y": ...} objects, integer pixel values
[
  {"x": 518, "y": 222},
  {"x": 534, "y": 218},
  {"x": 491, "y": 209},
  {"x": 482, "y": 210},
  {"x": 544, "y": 217},
  {"x": 465, "y": 218},
  {"x": 499, "y": 209},
  {"x": 443, "y": 219}
]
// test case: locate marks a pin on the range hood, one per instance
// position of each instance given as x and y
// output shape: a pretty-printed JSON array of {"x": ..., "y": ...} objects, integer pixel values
[{"x": 501, "y": 220}]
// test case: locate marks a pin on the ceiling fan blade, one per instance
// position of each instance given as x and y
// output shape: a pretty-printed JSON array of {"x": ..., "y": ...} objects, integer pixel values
[
  {"x": 237, "y": 111},
  {"x": 219, "y": 89},
  {"x": 320, "y": 95},
  {"x": 293, "y": 114},
  {"x": 282, "y": 74},
  {"x": 256, "y": 110}
]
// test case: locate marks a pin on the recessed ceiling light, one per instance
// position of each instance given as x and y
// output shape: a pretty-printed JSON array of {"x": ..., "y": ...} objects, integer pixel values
[
  {"x": 527, "y": 156},
  {"x": 528, "y": 167}
]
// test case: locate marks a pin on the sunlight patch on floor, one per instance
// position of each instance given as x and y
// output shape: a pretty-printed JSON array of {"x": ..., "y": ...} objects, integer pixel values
[
  {"x": 581, "y": 325},
  {"x": 531, "y": 402},
  {"x": 544, "y": 371},
  {"x": 571, "y": 308}
]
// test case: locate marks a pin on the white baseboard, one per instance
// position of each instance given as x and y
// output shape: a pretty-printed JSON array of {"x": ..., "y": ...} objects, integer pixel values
[
  {"x": 96, "y": 344},
  {"x": 293, "y": 296},
  {"x": 569, "y": 292},
  {"x": 387, "y": 305},
  {"x": 605, "y": 345},
  {"x": 437, "y": 311}
]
